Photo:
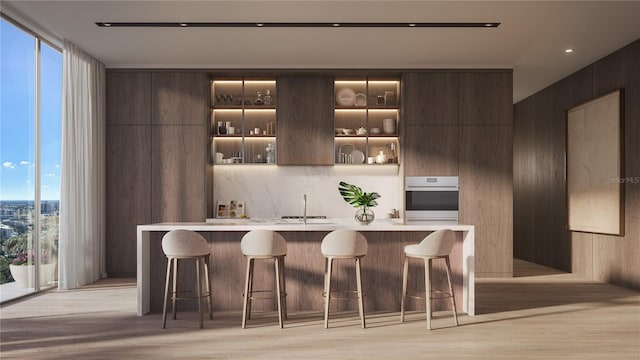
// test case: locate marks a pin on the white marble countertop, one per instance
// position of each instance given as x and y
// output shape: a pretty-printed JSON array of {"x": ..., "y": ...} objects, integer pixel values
[{"x": 312, "y": 225}]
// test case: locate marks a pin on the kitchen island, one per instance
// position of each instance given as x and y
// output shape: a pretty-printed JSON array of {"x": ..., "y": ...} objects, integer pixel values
[{"x": 304, "y": 264}]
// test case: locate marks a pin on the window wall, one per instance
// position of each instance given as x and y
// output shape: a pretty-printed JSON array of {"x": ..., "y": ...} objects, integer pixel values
[{"x": 30, "y": 149}]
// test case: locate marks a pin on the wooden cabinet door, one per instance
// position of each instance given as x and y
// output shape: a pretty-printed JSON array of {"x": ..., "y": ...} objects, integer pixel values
[
  {"x": 431, "y": 150},
  {"x": 128, "y": 98},
  {"x": 430, "y": 98},
  {"x": 305, "y": 128},
  {"x": 180, "y": 98},
  {"x": 486, "y": 98}
]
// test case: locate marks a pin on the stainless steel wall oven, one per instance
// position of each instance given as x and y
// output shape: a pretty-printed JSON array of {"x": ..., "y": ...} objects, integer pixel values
[{"x": 432, "y": 198}]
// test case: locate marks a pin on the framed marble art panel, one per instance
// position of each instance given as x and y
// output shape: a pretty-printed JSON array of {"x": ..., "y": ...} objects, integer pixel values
[{"x": 595, "y": 165}]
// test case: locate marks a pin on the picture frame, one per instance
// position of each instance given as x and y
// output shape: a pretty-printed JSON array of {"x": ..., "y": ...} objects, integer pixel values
[
  {"x": 222, "y": 209},
  {"x": 236, "y": 209},
  {"x": 230, "y": 209},
  {"x": 594, "y": 166}
]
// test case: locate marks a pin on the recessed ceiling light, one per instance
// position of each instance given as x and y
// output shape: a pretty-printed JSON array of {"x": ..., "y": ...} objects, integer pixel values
[
  {"x": 259, "y": 24},
  {"x": 568, "y": 50},
  {"x": 412, "y": 25},
  {"x": 107, "y": 24},
  {"x": 335, "y": 25},
  {"x": 184, "y": 24}
]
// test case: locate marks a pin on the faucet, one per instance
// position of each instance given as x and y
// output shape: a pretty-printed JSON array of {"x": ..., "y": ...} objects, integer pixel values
[{"x": 304, "y": 211}]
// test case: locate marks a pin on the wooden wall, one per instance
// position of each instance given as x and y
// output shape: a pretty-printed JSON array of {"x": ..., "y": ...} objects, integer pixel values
[
  {"x": 459, "y": 123},
  {"x": 538, "y": 170},
  {"x": 157, "y": 133}
]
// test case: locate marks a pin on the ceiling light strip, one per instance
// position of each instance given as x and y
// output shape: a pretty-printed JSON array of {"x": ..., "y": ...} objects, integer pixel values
[{"x": 304, "y": 24}]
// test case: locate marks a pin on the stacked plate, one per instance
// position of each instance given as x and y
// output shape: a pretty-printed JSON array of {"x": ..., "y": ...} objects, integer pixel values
[{"x": 389, "y": 126}]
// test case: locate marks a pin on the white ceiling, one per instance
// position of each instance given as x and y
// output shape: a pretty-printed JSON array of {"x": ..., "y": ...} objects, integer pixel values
[{"x": 530, "y": 40}]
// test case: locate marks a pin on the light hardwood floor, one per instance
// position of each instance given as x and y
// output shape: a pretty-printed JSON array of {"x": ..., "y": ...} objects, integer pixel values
[{"x": 539, "y": 314}]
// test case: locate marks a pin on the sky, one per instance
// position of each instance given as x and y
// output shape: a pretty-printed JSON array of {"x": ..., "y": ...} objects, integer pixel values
[{"x": 17, "y": 116}]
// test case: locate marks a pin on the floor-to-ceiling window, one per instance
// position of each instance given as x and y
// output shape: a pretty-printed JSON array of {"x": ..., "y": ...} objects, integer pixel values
[{"x": 30, "y": 123}]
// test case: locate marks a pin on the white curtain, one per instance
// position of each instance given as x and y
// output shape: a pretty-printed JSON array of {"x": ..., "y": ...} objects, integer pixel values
[{"x": 82, "y": 205}]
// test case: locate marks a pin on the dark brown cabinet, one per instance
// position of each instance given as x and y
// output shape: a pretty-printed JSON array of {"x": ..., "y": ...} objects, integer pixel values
[
  {"x": 430, "y": 98},
  {"x": 305, "y": 128},
  {"x": 157, "y": 132},
  {"x": 431, "y": 150},
  {"x": 486, "y": 98}
]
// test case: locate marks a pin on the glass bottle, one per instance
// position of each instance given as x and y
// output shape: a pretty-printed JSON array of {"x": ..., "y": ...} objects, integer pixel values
[
  {"x": 267, "y": 97},
  {"x": 271, "y": 159}
]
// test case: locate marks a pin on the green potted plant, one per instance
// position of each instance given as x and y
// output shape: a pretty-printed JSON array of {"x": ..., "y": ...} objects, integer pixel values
[{"x": 364, "y": 201}]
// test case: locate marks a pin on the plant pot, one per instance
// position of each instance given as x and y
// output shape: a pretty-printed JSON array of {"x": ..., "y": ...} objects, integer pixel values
[
  {"x": 364, "y": 216},
  {"x": 24, "y": 275}
]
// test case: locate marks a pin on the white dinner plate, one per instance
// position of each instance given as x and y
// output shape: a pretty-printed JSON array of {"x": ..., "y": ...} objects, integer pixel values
[{"x": 357, "y": 157}]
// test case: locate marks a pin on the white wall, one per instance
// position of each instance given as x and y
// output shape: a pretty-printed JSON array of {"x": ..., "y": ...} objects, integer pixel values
[{"x": 274, "y": 191}]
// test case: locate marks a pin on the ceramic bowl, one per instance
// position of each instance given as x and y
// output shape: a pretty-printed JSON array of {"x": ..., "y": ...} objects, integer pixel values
[
  {"x": 348, "y": 131},
  {"x": 375, "y": 131}
]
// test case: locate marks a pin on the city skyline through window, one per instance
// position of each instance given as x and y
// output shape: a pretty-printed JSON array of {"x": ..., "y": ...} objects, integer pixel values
[{"x": 30, "y": 153}]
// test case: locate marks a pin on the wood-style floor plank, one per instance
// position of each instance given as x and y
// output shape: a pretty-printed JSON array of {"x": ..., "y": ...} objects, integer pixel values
[{"x": 540, "y": 313}]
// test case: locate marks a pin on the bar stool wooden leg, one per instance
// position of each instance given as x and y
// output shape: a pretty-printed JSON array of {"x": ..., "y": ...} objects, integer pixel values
[
  {"x": 327, "y": 289},
  {"x": 245, "y": 304},
  {"x": 278, "y": 290},
  {"x": 427, "y": 283},
  {"x": 360, "y": 295},
  {"x": 453, "y": 299},
  {"x": 175, "y": 288},
  {"x": 199, "y": 290},
  {"x": 208, "y": 280},
  {"x": 166, "y": 294},
  {"x": 284, "y": 287},
  {"x": 250, "y": 303},
  {"x": 405, "y": 273}
]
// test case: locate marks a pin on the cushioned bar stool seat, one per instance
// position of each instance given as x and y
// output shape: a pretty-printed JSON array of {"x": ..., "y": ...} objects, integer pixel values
[
  {"x": 180, "y": 245},
  {"x": 343, "y": 244},
  {"x": 437, "y": 245},
  {"x": 264, "y": 244}
]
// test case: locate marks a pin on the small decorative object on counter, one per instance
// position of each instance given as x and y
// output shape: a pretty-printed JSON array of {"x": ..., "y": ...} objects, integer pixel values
[
  {"x": 221, "y": 129},
  {"x": 259, "y": 100},
  {"x": 361, "y": 200},
  {"x": 267, "y": 98},
  {"x": 361, "y": 131},
  {"x": 271, "y": 159},
  {"x": 381, "y": 158}
]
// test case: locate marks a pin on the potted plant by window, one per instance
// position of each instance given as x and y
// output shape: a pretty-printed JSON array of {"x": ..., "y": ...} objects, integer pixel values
[
  {"x": 364, "y": 201},
  {"x": 23, "y": 268}
]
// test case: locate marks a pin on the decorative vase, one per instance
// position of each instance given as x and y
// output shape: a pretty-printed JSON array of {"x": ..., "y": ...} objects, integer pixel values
[
  {"x": 364, "y": 216},
  {"x": 24, "y": 274}
]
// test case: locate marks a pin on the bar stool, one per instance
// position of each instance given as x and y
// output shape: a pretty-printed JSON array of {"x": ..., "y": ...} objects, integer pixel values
[
  {"x": 343, "y": 244},
  {"x": 181, "y": 245},
  {"x": 264, "y": 244},
  {"x": 435, "y": 246}
]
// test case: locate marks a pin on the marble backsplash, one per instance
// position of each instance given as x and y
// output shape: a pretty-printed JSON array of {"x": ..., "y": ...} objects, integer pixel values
[{"x": 275, "y": 191}]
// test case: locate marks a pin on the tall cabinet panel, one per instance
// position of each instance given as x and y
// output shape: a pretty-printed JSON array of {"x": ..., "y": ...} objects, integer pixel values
[
  {"x": 305, "y": 128},
  {"x": 128, "y": 98},
  {"x": 128, "y": 151},
  {"x": 486, "y": 98},
  {"x": 179, "y": 98},
  {"x": 178, "y": 169},
  {"x": 128, "y": 194},
  {"x": 486, "y": 195},
  {"x": 431, "y": 98},
  {"x": 431, "y": 150}
]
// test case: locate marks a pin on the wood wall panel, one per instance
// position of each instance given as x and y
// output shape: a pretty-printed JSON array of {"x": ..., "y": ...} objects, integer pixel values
[
  {"x": 180, "y": 98},
  {"x": 430, "y": 98},
  {"x": 128, "y": 98},
  {"x": 601, "y": 257},
  {"x": 486, "y": 98},
  {"x": 128, "y": 191},
  {"x": 178, "y": 173},
  {"x": 486, "y": 188},
  {"x": 431, "y": 150},
  {"x": 305, "y": 128}
]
